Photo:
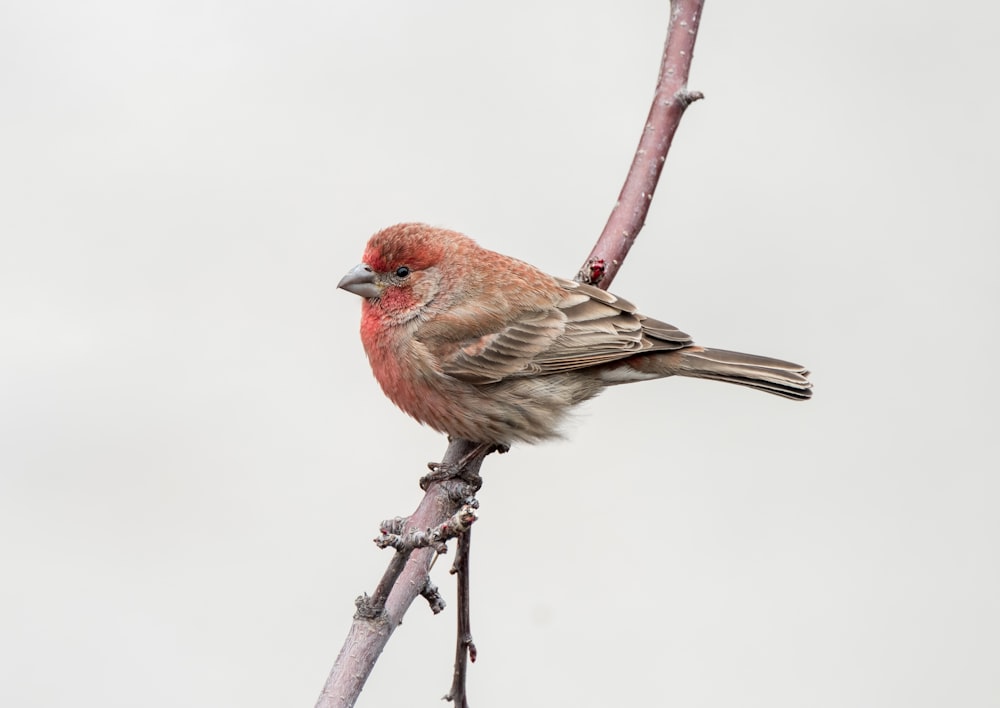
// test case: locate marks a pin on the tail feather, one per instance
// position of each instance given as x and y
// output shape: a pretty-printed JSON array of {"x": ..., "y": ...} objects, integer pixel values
[{"x": 781, "y": 378}]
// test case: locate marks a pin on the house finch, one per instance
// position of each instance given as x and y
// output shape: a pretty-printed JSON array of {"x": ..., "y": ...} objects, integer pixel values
[{"x": 487, "y": 348}]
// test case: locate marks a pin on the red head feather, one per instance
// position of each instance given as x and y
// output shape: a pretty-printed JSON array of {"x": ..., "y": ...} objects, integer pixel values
[{"x": 416, "y": 246}]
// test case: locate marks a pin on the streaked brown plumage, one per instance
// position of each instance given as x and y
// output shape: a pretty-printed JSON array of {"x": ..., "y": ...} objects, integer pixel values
[{"x": 487, "y": 348}]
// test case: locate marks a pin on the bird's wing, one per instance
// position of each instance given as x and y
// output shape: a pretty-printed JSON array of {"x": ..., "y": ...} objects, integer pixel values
[
  {"x": 602, "y": 328},
  {"x": 585, "y": 327}
]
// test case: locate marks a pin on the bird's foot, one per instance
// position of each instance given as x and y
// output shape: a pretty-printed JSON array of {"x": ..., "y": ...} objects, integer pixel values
[{"x": 441, "y": 471}]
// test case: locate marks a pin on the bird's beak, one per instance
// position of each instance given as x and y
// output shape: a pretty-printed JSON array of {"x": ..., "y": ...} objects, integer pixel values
[{"x": 360, "y": 280}]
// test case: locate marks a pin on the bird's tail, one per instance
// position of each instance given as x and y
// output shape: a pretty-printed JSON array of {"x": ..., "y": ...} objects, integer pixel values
[{"x": 781, "y": 378}]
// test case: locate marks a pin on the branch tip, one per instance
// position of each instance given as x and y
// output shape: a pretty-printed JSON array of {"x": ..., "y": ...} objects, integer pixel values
[
  {"x": 433, "y": 597},
  {"x": 366, "y": 609},
  {"x": 686, "y": 97}
]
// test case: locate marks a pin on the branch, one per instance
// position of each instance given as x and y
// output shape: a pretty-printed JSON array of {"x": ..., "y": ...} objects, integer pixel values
[
  {"x": 465, "y": 648},
  {"x": 405, "y": 579},
  {"x": 454, "y": 526},
  {"x": 407, "y": 575},
  {"x": 670, "y": 100}
]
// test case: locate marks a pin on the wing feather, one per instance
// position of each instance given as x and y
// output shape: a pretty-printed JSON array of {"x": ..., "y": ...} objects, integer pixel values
[{"x": 585, "y": 327}]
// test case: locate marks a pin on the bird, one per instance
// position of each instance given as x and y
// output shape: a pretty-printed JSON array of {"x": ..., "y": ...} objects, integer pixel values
[{"x": 487, "y": 348}]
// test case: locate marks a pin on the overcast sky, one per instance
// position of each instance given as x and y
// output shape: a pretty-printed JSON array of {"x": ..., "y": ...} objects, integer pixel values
[{"x": 194, "y": 455}]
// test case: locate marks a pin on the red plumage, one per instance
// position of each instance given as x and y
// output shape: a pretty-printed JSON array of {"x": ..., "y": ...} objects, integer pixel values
[{"x": 487, "y": 348}]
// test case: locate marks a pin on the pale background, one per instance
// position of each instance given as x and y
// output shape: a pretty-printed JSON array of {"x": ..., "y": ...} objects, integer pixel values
[{"x": 194, "y": 456}]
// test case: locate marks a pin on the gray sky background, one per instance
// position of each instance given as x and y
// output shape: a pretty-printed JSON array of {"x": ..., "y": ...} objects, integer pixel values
[{"x": 194, "y": 456}]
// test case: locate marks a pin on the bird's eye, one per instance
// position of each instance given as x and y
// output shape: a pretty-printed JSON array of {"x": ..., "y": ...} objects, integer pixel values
[{"x": 402, "y": 272}]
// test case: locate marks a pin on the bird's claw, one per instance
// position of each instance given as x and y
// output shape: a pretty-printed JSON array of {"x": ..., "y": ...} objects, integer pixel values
[{"x": 441, "y": 471}]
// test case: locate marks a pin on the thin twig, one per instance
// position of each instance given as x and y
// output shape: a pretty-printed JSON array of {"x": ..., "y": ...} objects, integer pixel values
[
  {"x": 670, "y": 100},
  {"x": 455, "y": 525},
  {"x": 465, "y": 648}
]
